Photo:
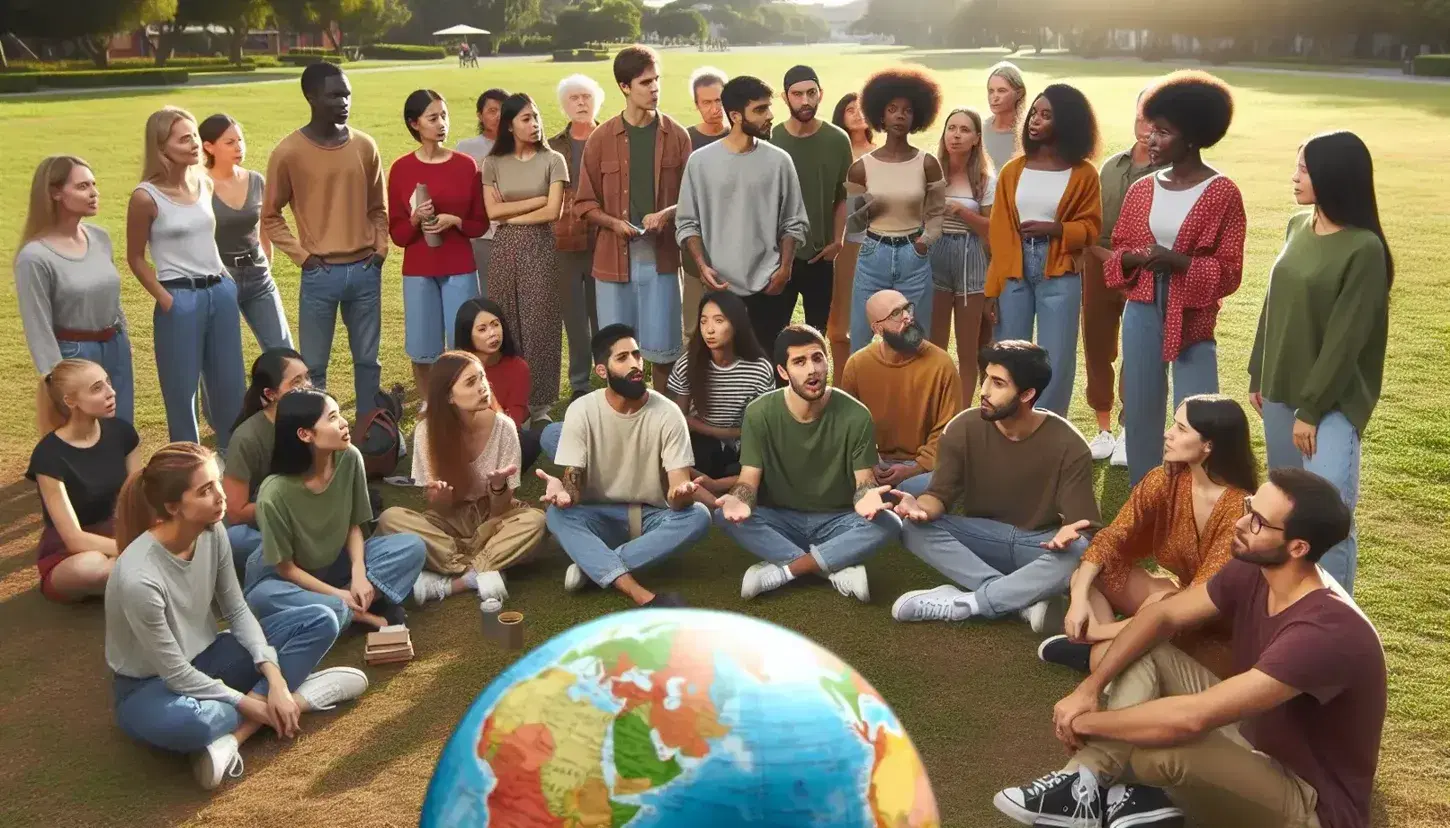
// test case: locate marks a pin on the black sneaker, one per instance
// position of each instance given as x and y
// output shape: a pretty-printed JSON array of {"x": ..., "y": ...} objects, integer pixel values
[
  {"x": 1059, "y": 650},
  {"x": 666, "y": 600},
  {"x": 1061, "y": 799},
  {"x": 1140, "y": 806},
  {"x": 394, "y": 614}
]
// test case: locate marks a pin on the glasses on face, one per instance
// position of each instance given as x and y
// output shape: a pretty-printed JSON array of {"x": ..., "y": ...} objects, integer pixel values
[
  {"x": 896, "y": 315},
  {"x": 1256, "y": 521}
]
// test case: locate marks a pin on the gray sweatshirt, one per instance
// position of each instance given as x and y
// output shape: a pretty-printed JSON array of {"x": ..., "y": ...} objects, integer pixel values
[
  {"x": 741, "y": 206},
  {"x": 57, "y": 291},
  {"x": 159, "y": 614}
]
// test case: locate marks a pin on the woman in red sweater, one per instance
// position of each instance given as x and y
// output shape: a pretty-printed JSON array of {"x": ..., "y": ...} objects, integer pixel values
[
  {"x": 435, "y": 207},
  {"x": 481, "y": 329}
]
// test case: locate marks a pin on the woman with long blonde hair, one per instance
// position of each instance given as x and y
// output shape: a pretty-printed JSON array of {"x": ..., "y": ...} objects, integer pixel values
[
  {"x": 83, "y": 457},
  {"x": 197, "y": 331},
  {"x": 1006, "y": 100},
  {"x": 66, "y": 282},
  {"x": 180, "y": 684},
  {"x": 466, "y": 453},
  {"x": 959, "y": 260}
]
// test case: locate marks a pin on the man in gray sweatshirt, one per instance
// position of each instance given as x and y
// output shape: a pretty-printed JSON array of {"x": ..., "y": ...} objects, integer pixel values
[{"x": 741, "y": 214}]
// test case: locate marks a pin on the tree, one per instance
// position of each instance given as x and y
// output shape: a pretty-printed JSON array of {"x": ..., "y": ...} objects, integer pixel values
[
  {"x": 89, "y": 23},
  {"x": 617, "y": 20},
  {"x": 371, "y": 19},
  {"x": 686, "y": 23}
]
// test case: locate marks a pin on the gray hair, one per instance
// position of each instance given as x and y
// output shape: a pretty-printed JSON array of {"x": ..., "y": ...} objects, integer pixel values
[
  {"x": 581, "y": 83},
  {"x": 705, "y": 76}
]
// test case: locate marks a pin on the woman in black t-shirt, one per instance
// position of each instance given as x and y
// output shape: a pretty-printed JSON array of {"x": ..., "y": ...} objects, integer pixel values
[{"x": 79, "y": 465}]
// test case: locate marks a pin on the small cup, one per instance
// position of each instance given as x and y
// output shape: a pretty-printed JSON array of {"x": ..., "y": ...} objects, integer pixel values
[{"x": 511, "y": 625}]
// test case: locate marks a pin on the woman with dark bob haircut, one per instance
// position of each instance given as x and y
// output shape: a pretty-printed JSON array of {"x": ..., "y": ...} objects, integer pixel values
[
  {"x": 482, "y": 329},
  {"x": 1046, "y": 212},
  {"x": 1319, "y": 356},
  {"x": 904, "y": 195},
  {"x": 1178, "y": 251}
]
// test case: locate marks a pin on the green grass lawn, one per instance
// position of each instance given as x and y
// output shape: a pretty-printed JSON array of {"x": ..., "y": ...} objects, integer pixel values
[{"x": 974, "y": 698}]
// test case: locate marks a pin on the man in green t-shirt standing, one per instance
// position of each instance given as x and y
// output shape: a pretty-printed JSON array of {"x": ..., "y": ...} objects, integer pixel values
[
  {"x": 807, "y": 453},
  {"x": 822, "y": 155}
]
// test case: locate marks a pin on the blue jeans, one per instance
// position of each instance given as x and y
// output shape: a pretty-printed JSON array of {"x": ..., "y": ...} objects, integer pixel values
[
  {"x": 1145, "y": 379},
  {"x": 649, "y": 302},
  {"x": 200, "y": 341},
  {"x": 148, "y": 712},
  {"x": 393, "y": 563},
  {"x": 916, "y": 486},
  {"x": 881, "y": 266},
  {"x": 430, "y": 305},
  {"x": 261, "y": 306},
  {"x": 1056, "y": 306},
  {"x": 1005, "y": 567},
  {"x": 1336, "y": 459},
  {"x": 596, "y": 536},
  {"x": 245, "y": 539},
  {"x": 549, "y": 439},
  {"x": 115, "y": 357},
  {"x": 358, "y": 289},
  {"x": 836, "y": 540}
]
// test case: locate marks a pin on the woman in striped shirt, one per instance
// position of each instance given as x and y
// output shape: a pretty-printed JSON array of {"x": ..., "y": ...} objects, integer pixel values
[{"x": 723, "y": 370}]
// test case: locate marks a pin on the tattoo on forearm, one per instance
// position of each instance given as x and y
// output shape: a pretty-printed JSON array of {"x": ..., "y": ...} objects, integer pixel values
[
  {"x": 861, "y": 491},
  {"x": 573, "y": 480},
  {"x": 744, "y": 492}
]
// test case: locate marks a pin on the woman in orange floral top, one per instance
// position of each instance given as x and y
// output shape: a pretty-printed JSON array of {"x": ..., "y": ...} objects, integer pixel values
[{"x": 1181, "y": 517}]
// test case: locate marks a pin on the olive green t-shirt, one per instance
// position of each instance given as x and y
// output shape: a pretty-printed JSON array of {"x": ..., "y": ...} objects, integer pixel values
[
  {"x": 642, "y": 168},
  {"x": 808, "y": 467},
  {"x": 821, "y": 163},
  {"x": 310, "y": 528},
  {"x": 249, "y": 454}
]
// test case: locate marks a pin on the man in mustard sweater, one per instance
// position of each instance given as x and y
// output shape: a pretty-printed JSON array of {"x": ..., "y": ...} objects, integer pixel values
[{"x": 910, "y": 386}]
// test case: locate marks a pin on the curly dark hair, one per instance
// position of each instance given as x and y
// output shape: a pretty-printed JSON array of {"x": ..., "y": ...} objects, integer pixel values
[
  {"x": 1196, "y": 103},
  {"x": 1074, "y": 126},
  {"x": 915, "y": 85}
]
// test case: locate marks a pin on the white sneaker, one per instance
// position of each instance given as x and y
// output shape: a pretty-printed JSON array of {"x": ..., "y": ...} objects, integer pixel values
[
  {"x": 1103, "y": 445},
  {"x": 490, "y": 585},
  {"x": 1120, "y": 451},
  {"x": 217, "y": 761},
  {"x": 945, "y": 603},
  {"x": 431, "y": 586},
  {"x": 763, "y": 577},
  {"x": 574, "y": 579},
  {"x": 324, "y": 689},
  {"x": 851, "y": 582},
  {"x": 1035, "y": 616}
]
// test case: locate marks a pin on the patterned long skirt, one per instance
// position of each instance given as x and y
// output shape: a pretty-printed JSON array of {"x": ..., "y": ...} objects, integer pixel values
[{"x": 521, "y": 279}]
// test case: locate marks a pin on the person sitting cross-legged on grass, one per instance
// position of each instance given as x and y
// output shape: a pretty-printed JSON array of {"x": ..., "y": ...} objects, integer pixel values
[
  {"x": 311, "y": 509},
  {"x": 466, "y": 452},
  {"x": 1292, "y": 739},
  {"x": 179, "y": 684},
  {"x": 611, "y": 508},
  {"x": 910, "y": 386},
  {"x": 808, "y": 453},
  {"x": 1024, "y": 477}
]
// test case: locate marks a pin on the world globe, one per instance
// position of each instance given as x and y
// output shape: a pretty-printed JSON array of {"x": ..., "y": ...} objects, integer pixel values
[{"x": 688, "y": 718}]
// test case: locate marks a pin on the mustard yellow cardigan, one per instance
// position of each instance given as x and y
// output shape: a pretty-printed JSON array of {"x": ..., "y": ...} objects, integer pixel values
[{"x": 1080, "y": 211}]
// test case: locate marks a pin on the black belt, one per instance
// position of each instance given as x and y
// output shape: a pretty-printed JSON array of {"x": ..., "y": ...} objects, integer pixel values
[
  {"x": 192, "y": 282},
  {"x": 895, "y": 241},
  {"x": 244, "y": 259}
]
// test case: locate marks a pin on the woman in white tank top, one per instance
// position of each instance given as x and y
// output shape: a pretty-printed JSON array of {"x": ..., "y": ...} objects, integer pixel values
[{"x": 197, "y": 324}]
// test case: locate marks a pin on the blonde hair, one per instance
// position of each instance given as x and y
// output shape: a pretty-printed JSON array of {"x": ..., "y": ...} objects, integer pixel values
[
  {"x": 44, "y": 211},
  {"x": 154, "y": 164},
  {"x": 1008, "y": 71},
  {"x": 979, "y": 166},
  {"x": 148, "y": 492},
  {"x": 51, "y": 411}
]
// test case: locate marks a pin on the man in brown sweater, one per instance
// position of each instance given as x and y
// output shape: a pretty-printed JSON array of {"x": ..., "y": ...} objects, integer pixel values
[
  {"x": 1023, "y": 477},
  {"x": 910, "y": 386},
  {"x": 332, "y": 177}
]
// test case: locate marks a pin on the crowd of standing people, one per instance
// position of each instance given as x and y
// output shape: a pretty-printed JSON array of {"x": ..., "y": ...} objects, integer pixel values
[{"x": 671, "y": 259}]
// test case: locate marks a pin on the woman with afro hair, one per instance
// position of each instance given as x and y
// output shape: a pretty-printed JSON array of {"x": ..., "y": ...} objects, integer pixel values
[
  {"x": 1047, "y": 211},
  {"x": 904, "y": 196},
  {"x": 1178, "y": 250}
]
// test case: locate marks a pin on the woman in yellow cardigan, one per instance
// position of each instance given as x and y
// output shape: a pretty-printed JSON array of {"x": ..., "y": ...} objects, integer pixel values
[{"x": 1047, "y": 211}]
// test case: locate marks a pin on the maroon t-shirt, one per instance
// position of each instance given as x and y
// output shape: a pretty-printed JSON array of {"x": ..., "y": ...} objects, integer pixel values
[{"x": 1325, "y": 648}]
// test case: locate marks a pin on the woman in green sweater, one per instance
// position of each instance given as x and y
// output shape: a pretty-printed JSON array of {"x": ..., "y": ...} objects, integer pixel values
[{"x": 1319, "y": 355}]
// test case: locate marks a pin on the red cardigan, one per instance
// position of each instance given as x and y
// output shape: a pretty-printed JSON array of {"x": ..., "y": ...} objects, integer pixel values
[
  {"x": 1212, "y": 236},
  {"x": 510, "y": 382},
  {"x": 456, "y": 189}
]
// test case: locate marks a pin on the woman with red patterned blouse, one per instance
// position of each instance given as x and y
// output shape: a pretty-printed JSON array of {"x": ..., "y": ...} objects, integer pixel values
[{"x": 1178, "y": 250}]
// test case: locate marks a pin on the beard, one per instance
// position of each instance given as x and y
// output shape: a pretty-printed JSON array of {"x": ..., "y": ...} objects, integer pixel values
[
  {"x": 758, "y": 131},
  {"x": 805, "y": 393},
  {"x": 627, "y": 387},
  {"x": 805, "y": 114},
  {"x": 1267, "y": 558},
  {"x": 907, "y": 341},
  {"x": 992, "y": 413}
]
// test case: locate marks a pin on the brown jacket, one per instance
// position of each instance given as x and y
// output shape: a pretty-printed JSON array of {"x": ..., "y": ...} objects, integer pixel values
[
  {"x": 604, "y": 185},
  {"x": 572, "y": 234}
]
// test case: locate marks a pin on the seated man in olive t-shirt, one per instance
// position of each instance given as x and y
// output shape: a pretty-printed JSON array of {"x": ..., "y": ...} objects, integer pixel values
[
  {"x": 1292, "y": 739},
  {"x": 808, "y": 452}
]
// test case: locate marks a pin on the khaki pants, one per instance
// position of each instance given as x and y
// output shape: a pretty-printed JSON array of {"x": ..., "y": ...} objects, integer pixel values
[
  {"x": 1102, "y": 317},
  {"x": 1219, "y": 779},
  {"x": 691, "y": 291},
  {"x": 838, "y": 325},
  {"x": 469, "y": 537}
]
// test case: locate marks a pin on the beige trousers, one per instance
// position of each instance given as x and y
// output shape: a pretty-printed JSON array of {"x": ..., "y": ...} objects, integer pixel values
[
  {"x": 469, "y": 537},
  {"x": 692, "y": 290},
  {"x": 1219, "y": 779}
]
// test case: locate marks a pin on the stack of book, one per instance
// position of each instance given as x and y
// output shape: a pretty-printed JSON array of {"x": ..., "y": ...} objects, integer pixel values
[{"x": 389, "y": 645}]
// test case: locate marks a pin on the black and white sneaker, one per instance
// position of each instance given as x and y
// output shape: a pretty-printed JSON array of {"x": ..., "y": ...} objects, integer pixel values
[
  {"x": 1060, "y": 799},
  {"x": 1139, "y": 806},
  {"x": 1059, "y": 650}
]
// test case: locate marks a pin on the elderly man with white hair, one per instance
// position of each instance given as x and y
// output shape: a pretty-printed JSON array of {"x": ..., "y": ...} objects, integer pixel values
[{"x": 580, "y": 98}]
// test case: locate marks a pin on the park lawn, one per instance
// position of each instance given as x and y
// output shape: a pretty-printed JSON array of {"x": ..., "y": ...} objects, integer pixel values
[{"x": 973, "y": 696}]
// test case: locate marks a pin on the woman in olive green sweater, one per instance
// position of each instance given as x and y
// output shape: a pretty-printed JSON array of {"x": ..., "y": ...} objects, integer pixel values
[{"x": 1319, "y": 355}]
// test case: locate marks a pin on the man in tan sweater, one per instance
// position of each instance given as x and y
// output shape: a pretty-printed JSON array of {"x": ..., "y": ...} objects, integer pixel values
[
  {"x": 332, "y": 177},
  {"x": 910, "y": 386}
]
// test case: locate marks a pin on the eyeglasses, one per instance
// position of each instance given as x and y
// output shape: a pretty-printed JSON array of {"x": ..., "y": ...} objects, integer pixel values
[
  {"x": 908, "y": 308},
  {"x": 1256, "y": 521}
]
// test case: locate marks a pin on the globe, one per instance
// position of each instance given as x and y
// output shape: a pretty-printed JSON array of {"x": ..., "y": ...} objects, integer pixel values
[{"x": 679, "y": 717}]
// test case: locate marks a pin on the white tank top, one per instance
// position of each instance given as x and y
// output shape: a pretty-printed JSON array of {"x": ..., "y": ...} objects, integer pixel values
[
  {"x": 183, "y": 236},
  {"x": 1171, "y": 207}
]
